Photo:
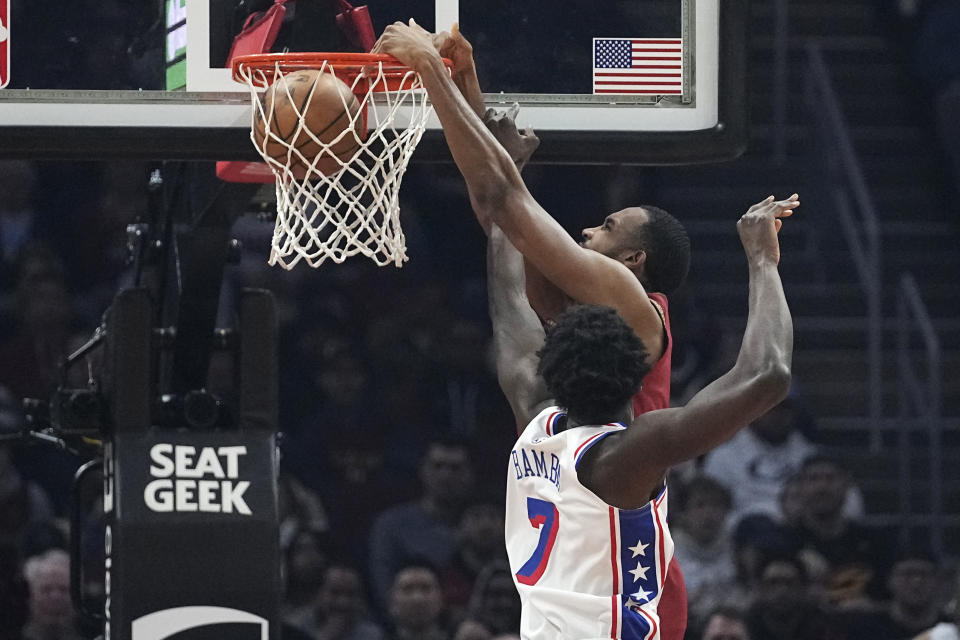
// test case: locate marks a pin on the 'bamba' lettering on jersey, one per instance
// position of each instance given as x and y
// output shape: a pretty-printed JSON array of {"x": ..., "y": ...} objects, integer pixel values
[{"x": 534, "y": 463}]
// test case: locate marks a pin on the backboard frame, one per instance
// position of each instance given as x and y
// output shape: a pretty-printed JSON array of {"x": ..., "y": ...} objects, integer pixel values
[{"x": 222, "y": 131}]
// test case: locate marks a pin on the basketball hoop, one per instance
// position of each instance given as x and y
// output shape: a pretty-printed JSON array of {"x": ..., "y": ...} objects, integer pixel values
[{"x": 330, "y": 203}]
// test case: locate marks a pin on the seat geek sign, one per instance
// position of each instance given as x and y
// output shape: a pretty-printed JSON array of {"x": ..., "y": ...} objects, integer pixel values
[
  {"x": 207, "y": 476},
  {"x": 192, "y": 535},
  {"x": 188, "y": 478}
]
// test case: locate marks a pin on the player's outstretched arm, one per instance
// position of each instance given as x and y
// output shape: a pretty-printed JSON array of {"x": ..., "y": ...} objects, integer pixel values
[
  {"x": 498, "y": 193},
  {"x": 517, "y": 333},
  {"x": 630, "y": 465}
]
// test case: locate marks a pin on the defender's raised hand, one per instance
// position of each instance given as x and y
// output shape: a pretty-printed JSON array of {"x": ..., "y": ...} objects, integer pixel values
[
  {"x": 519, "y": 144},
  {"x": 758, "y": 228},
  {"x": 451, "y": 44}
]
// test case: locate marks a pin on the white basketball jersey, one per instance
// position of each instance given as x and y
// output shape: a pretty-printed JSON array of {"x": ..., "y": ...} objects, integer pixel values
[{"x": 585, "y": 570}]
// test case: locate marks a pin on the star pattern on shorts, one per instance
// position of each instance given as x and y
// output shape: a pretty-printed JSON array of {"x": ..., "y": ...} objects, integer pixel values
[
  {"x": 639, "y": 572},
  {"x": 639, "y": 549},
  {"x": 642, "y": 595}
]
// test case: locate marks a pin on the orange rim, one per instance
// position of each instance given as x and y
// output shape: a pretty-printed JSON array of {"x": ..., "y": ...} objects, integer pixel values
[{"x": 346, "y": 66}]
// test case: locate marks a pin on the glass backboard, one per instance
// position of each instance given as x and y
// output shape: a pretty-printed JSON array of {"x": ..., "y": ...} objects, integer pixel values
[{"x": 631, "y": 81}]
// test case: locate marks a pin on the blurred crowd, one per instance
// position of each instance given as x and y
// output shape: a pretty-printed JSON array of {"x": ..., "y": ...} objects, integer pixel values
[
  {"x": 394, "y": 429},
  {"x": 394, "y": 435}
]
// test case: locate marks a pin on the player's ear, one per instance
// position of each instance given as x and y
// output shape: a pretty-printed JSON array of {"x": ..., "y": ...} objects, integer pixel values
[{"x": 635, "y": 259}]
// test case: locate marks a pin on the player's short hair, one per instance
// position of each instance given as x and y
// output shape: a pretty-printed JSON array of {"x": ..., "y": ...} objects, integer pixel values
[
  {"x": 667, "y": 245},
  {"x": 592, "y": 362}
]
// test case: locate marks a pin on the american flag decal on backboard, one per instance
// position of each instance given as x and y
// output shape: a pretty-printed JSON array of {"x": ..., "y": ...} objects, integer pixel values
[
  {"x": 4, "y": 42},
  {"x": 652, "y": 66}
]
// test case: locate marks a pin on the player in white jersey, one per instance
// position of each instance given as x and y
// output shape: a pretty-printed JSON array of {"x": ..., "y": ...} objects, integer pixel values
[
  {"x": 586, "y": 514},
  {"x": 606, "y": 575}
]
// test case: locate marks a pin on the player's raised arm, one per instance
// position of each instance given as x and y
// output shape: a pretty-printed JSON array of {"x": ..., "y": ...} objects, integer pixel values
[
  {"x": 517, "y": 332},
  {"x": 498, "y": 193},
  {"x": 630, "y": 464}
]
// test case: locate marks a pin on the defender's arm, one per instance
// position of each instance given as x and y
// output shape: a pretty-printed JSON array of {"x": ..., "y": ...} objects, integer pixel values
[
  {"x": 629, "y": 465},
  {"x": 517, "y": 333}
]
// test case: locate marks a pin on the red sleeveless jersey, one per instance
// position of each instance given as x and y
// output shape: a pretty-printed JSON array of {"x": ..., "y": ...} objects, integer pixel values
[{"x": 655, "y": 394}]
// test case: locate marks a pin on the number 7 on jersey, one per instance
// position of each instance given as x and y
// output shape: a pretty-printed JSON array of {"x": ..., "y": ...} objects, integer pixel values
[{"x": 543, "y": 515}]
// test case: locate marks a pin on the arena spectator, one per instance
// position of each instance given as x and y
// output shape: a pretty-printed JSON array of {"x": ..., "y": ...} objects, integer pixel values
[
  {"x": 14, "y": 593},
  {"x": 31, "y": 353},
  {"x": 755, "y": 538},
  {"x": 339, "y": 611},
  {"x": 18, "y": 179},
  {"x": 702, "y": 544},
  {"x": 479, "y": 537},
  {"x": 913, "y": 606},
  {"x": 947, "y": 630},
  {"x": 93, "y": 238},
  {"x": 697, "y": 344},
  {"x": 846, "y": 558},
  {"x": 30, "y": 357},
  {"x": 358, "y": 486},
  {"x": 299, "y": 509},
  {"x": 337, "y": 449},
  {"x": 404, "y": 342},
  {"x": 305, "y": 559},
  {"x": 725, "y": 623},
  {"x": 757, "y": 461},
  {"x": 469, "y": 396},
  {"x": 494, "y": 605},
  {"x": 423, "y": 529},
  {"x": 22, "y": 502},
  {"x": 337, "y": 389},
  {"x": 51, "y": 613},
  {"x": 791, "y": 501},
  {"x": 783, "y": 608},
  {"x": 415, "y": 604}
]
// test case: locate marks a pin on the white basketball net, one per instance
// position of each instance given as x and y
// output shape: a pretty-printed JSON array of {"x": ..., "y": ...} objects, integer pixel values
[{"x": 355, "y": 208}]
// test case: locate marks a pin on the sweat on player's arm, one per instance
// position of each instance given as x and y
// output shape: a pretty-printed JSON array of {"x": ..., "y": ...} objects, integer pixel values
[{"x": 498, "y": 193}]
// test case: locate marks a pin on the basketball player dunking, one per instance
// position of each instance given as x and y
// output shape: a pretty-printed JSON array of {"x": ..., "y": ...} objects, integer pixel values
[
  {"x": 586, "y": 522},
  {"x": 632, "y": 252}
]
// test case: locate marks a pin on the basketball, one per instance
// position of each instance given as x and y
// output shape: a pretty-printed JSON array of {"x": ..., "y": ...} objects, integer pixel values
[{"x": 329, "y": 111}]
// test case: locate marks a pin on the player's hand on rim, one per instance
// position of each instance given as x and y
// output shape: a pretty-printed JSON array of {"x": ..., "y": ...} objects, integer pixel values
[
  {"x": 409, "y": 43},
  {"x": 759, "y": 226}
]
